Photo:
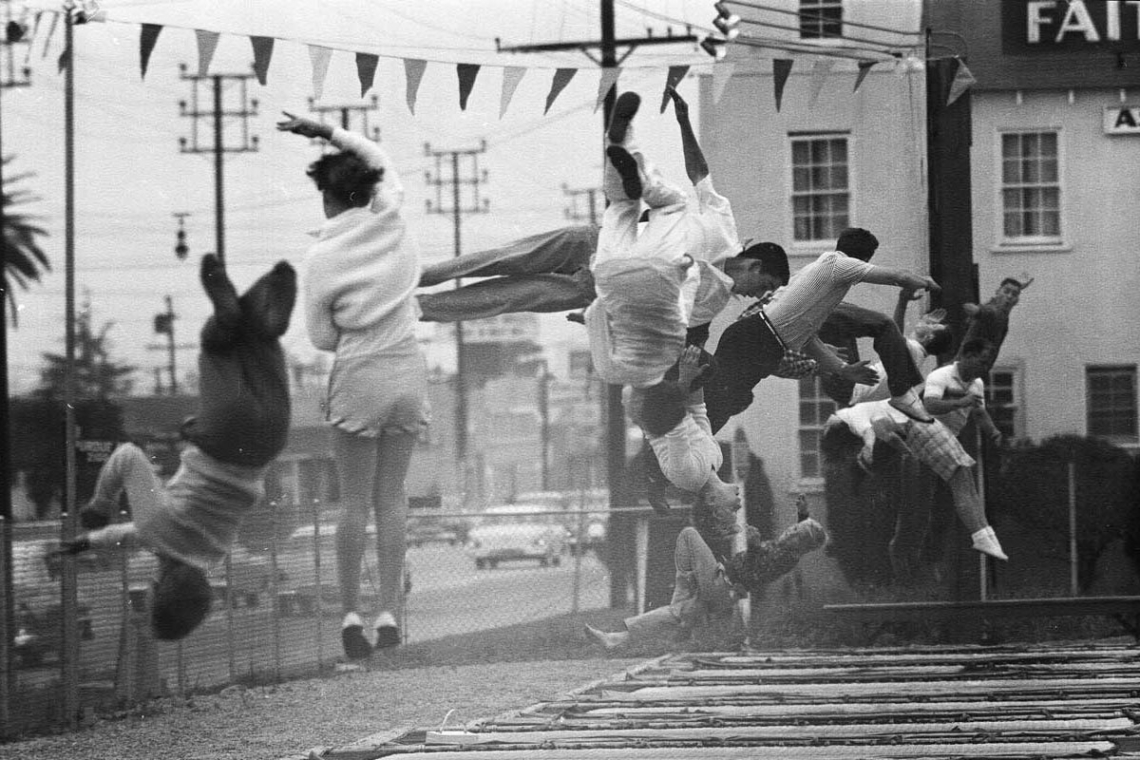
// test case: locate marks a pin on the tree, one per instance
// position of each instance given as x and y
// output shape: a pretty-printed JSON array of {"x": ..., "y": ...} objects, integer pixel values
[
  {"x": 24, "y": 260},
  {"x": 38, "y": 423},
  {"x": 97, "y": 376}
]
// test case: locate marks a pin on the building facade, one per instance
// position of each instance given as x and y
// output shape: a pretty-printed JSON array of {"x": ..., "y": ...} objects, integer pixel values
[{"x": 1055, "y": 196}]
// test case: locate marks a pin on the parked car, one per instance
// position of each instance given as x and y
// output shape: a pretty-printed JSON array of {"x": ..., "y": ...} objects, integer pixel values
[
  {"x": 427, "y": 529},
  {"x": 580, "y": 512},
  {"x": 514, "y": 532}
]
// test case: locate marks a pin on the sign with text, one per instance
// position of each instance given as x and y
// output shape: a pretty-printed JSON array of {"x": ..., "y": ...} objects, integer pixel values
[
  {"x": 1122, "y": 120},
  {"x": 1052, "y": 26}
]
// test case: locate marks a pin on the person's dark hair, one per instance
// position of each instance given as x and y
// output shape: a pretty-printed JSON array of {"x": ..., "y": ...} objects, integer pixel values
[
  {"x": 975, "y": 347},
  {"x": 179, "y": 601},
  {"x": 346, "y": 177},
  {"x": 1010, "y": 281},
  {"x": 663, "y": 408},
  {"x": 940, "y": 341},
  {"x": 857, "y": 243},
  {"x": 773, "y": 259}
]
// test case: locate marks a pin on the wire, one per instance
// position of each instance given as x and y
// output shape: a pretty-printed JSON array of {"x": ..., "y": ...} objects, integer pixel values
[{"x": 820, "y": 17}]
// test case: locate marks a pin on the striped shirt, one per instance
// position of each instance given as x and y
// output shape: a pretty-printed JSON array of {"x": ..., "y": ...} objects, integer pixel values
[{"x": 798, "y": 310}]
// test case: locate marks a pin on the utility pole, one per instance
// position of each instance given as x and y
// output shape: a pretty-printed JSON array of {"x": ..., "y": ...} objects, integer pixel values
[
  {"x": 14, "y": 38},
  {"x": 621, "y": 536},
  {"x": 345, "y": 113},
  {"x": 457, "y": 209},
  {"x": 245, "y": 144},
  {"x": 164, "y": 325},
  {"x": 544, "y": 420},
  {"x": 591, "y": 213}
]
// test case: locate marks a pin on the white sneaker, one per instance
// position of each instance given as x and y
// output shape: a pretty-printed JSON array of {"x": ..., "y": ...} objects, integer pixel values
[{"x": 985, "y": 541}]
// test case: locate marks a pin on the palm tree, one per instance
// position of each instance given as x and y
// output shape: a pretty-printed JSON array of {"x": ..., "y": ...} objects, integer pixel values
[{"x": 24, "y": 260}]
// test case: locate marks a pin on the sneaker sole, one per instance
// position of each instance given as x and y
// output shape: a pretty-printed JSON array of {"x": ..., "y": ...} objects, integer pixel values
[
  {"x": 624, "y": 110},
  {"x": 356, "y": 647},
  {"x": 387, "y": 636}
]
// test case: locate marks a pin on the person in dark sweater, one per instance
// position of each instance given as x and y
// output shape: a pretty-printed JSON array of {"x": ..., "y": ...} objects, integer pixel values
[{"x": 241, "y": 426}]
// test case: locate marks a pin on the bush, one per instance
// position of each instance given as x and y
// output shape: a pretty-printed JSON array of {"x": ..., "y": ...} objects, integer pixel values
[{"x": 1031, "y": 489}]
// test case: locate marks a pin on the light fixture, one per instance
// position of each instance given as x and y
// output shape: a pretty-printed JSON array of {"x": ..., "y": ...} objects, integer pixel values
[
  {"x": 714, "y": 47},
  {"x": 726, "y": 21}
]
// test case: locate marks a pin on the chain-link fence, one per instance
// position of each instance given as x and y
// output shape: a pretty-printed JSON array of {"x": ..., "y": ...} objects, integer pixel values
[{"x": 277, "y": 609}]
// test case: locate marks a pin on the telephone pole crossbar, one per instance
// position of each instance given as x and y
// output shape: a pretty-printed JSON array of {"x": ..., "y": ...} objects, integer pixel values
[{"x": 245, "y": 144}]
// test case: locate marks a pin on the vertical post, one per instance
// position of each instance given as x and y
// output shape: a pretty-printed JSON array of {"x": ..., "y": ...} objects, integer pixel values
[
  {"x": 274, "y": 604},
  {"x": 1074, "y": 580},
  {"x": 741, "y": 464},
  {"x": 317, "y": 594},
  {"x": 69, "y": 522},
  {"x": 983, "y": 560},
  {"x": 461, "y": 423},
  {"x": 621, "y": 543},
  {"x": 8, "y": 606},
  {"x": 219, "y": 185},
  {"x": 544, "y": 423},
  {"x": 173, "y": 353},
  {"x": 229, "y": 602}
]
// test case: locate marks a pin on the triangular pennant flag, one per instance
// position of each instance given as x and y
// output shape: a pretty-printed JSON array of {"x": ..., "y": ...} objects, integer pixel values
[
  {"x": 722, "y": 72},
  {"x": 512, "y": 75},
  {"x": 781, "y": 68},
  {"x": 319, "y": 57},
  {"x": 820, "y": 70},
  {"x": 50, "y": 33},
  {"x": 606, "y": 83},
  {"x": 864, "y": 67},
  {"x": 467, "y": 73},
  {"x": 147, "y": 38},
  {"x": 366, "y": 70},
  {"x": 32, "y": 36},
  {"x": 207, "y": 44},
  {"x": 562, "y": 78},
  {"x": 414, "y": 71},
  {"x": 672, "y": 79},
  {"x": 962, "y": 81},
  {"x": 64, "y": 59},
  {"x": 262, "y": 52}
]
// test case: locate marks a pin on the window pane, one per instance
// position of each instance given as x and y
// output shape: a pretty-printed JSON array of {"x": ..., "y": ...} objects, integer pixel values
[
  {"x": 820, "y": 180},
  {"x": 1031, "y": 193},
  {"x": 1112, "y": 402}
]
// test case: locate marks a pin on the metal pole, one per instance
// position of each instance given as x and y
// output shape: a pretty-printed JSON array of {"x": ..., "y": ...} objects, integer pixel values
[
  {"x": 983, "y": 564},
  {"x": 274, "y": 605},
  {"x": 69, "y": 522},
  {"x": 219, "y": 198},
  {"x": 544, "y": 422},
  {"x": 1073, "y": 579},
  {"x": 317, "y": 579},
  {"x": 8, "y": 609},
  {"x": 230, "y": 599},
  {"x": 460, "y": 353},
  {"x": 171, "y": 347}
]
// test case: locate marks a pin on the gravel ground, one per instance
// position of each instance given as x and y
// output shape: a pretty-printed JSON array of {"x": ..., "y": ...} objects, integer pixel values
[{"x": 269, "y": 722}]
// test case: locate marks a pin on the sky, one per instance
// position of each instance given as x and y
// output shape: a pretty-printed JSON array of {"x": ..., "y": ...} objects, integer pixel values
[{"x": 131, "y": 178}]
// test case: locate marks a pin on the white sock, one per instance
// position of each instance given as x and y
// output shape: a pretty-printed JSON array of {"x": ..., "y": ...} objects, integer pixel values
[
  {"x": 351, "y": 619},
  {"x": 385, "y": 620}
]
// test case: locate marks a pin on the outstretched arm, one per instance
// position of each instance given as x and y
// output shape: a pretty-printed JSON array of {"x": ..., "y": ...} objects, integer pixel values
[
  {"x": 900, "y": 277},
  {"x": 695, "y": 164},
  {"x": 906, "y": 295},
  {"x": 367, "y": 150}
]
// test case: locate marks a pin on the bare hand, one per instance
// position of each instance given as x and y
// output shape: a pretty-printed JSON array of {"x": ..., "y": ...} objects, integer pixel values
[
  {"x": 995, "y": 437},
  {"x": 841, "y": 351},
  {"x": 911, "y": 294},
  {"x": 689, "y": 367},
  {"x": 930, "y": 285},
  {"x": 861, "y": 373},
  {"x": 300, "y": 125},
  {"x": 680, "y": 107}
]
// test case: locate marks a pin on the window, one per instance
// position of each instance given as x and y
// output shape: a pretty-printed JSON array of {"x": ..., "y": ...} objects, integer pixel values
[
  {"x": 1111, "y": 403},
  {"x": 821, "y": 19},
  {"x": 815, "y": 408},
  {"x": 820, "y": 189},
  {"x": 1030, "y": 188},
  {"x": 1003, "y": 401}
]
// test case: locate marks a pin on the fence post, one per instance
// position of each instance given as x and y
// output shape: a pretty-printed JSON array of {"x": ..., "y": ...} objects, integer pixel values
[
  {"x": 136, "y": 674},
  {"x": 316, "y": 504},
  {"x": 7, "y": 624},
  {"x": 1074, "y": 588},
  {"x": 229, "y": 602},
  {"x": 274, "y": 603}
]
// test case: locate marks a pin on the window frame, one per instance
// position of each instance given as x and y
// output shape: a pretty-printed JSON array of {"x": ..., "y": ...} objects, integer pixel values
[
  {"x": 821, "y": 402},
  {"x": 818, "y": 8},
  {"x": 826, "y": 242},
  {"x": 1030, "y": 242},
  {"x": 1127, "y": 440},
  {"x": 1017, "y": 386}
]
